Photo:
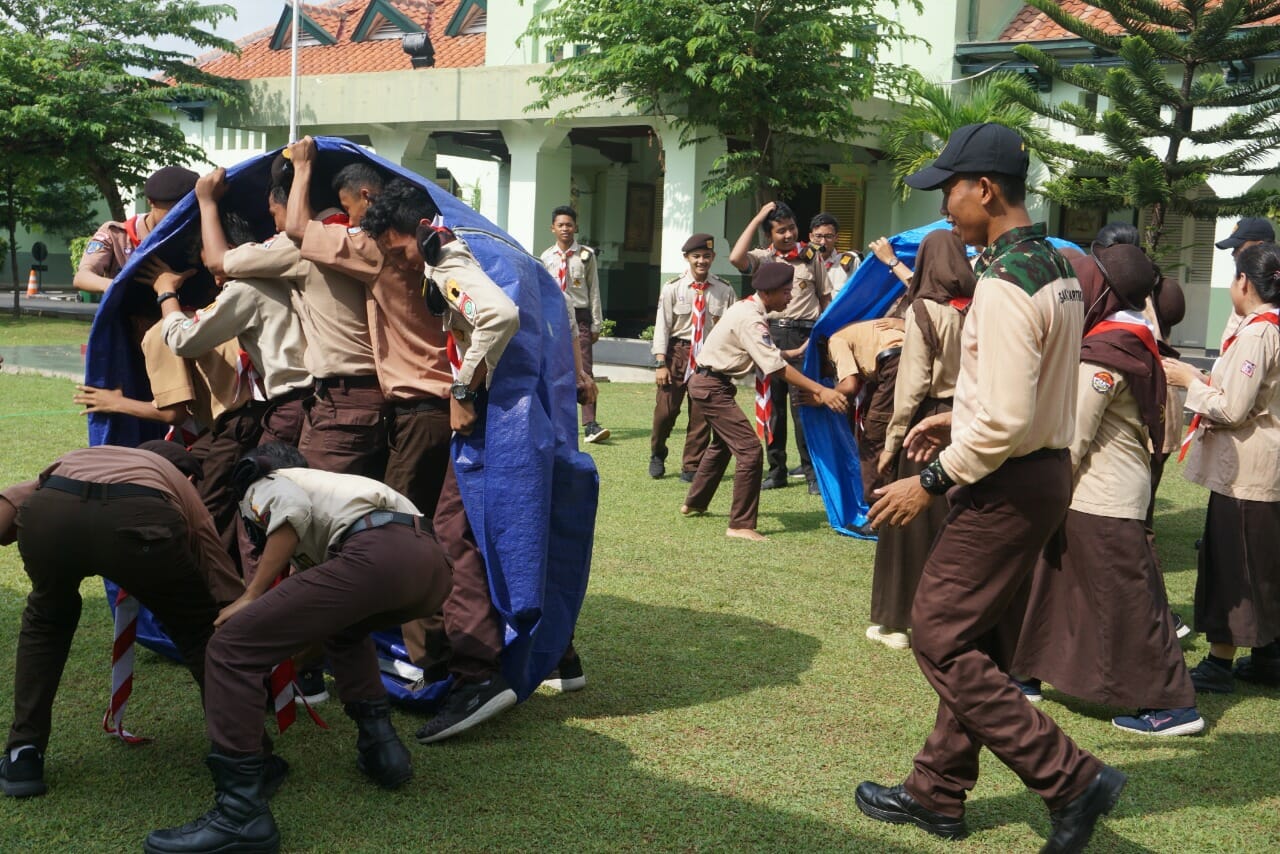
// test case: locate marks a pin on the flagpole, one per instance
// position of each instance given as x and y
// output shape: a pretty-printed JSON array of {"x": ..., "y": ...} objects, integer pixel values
[{"x": 293, "y": 79}]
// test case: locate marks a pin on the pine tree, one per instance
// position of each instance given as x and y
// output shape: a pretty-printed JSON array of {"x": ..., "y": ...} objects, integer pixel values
[{"x": 1173, "y": 118}]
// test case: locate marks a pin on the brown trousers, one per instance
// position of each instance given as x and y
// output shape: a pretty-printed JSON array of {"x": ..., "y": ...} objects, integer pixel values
[
  {"x": 344, "y": 431},
  {"x": 875, "y": 424},
  {"x": 583, "y": 318},
  {"x": 785, "y": 397},
  {"x": 218, "y": 450},
  {"x": 377, "y": 578},
  {"x": 473, "y": 626},
  {"x": 967, "y": 598},
  {"x": 732, "y": 434},
  {"x": 666, "y": 411},
  {"x": 282, "y": 421},
  {"x": 141, "y": 544}
]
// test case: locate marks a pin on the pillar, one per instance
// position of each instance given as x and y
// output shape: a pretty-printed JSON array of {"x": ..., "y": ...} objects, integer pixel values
[
  {"x": 538, "y": 181},
  {"x": 683, "y": 213}
]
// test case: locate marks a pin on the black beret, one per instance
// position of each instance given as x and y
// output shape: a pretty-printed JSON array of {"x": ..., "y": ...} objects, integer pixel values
[
  {"x": 182, "y": 459},
  {"x": 698, "y": 241},
  {"x": 773, "y": 275},
  {"x": 169, "y": 184}
]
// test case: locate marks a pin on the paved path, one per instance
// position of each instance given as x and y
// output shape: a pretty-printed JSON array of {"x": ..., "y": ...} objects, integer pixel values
[{"x": 51, "y": 361}]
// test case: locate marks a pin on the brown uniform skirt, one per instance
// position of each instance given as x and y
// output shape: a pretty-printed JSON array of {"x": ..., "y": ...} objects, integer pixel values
[
  {"x": 1238, "y": 582},
  {"x": 1097, "y": 624},
  {"x": 901, "y": 551}
]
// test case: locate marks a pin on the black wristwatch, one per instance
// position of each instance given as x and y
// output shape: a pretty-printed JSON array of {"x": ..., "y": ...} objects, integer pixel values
[
  {"x": 166, "y": 295},
  {"x": 935, "y": 480},
  {"x": 461, "y": 392}
]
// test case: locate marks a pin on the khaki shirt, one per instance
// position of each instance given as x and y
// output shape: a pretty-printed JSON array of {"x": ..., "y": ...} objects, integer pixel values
[
  {"x": 110, "y": 247},
  {"x": 112, "y": 464},
  {"x": 922, "y": 373},
  {"x": 741, "y": 342},
  {"x": 1020, "y": 354},
  {"x": 839, "y": 268},
  {"x": 260, "y": 315},
  {"x": 854, "y": 348},
  {"x": 675, "y": 310},
  {"x": 1110, "y": 452},
  {"x": 1175, "y": 426},
  {"x": 335, "y": 318},
  {"x": 482, "y": 318},
  {"x": 209, "y": 384},
  {"x": 809, "y": 286},
  {"x": 409, "y": 345},
  {"x": 581, "y": 281},
  {"x": 319, "y": 505},
  {"x": 1236, "y": 450}
]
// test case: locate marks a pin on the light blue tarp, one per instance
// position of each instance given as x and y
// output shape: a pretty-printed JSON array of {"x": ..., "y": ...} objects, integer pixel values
[
  {"x": 867, "y": 295},
  {"x": 530, "y": 495}
]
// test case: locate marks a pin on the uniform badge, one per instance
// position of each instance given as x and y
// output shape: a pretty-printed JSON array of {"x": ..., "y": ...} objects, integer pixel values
[
  {"x": 763, "y": 330},
  {"x": 577, "y": 283},
  {"x": 188, "y": 323},
  {"x": 1248, "y": 368},
  {"x": 467, "y": 306},
  {"x": 585, "y": 255},
  {"x": 801, "y": 284},
  {"x": 94, "y": 246},
  {"x": 453, "y": 291},
  {"x": 1103, "y": 382},
  {"x": 846, "y": 261}
]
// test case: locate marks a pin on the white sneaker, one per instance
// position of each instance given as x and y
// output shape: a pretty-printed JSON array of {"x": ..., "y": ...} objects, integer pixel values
[{"x": 888, "y": 637}]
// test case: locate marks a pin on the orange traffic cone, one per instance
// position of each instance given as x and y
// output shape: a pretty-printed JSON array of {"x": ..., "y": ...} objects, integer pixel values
[{"x": 33, "y": 284}]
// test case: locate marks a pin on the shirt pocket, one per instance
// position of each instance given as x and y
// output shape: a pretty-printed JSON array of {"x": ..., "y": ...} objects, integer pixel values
[{"x": 577, "y": 273}]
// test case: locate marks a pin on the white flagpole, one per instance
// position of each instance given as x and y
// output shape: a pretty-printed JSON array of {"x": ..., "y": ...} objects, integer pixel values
[{"x": 293, "y": 79}]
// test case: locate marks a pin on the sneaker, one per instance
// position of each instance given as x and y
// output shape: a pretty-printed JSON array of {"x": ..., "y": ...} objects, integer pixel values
[
  {"x": 311, "y": 687},
  {"x": 593, "y": 432},
  {"x": 1184, "y": 721},
  {"x": 657, "y": 466},
  {"x": 888, "y": 637},
  {"x": 468, "y": 704},
  {"x": 796, "y": 473},
  {"x": 687, "y": 476},
  {"x": 773, "y": 482},
  {"x": 1030, "y": 688},
  {"x": 1262, "y": 667},
  {"x": 567, "y": 677},
  {"x": 22, "y": 772},
  {"x": 1211, "y": 678},
  {"x": 813, "y": 488},
  {"x": 1180, "y": 628}
]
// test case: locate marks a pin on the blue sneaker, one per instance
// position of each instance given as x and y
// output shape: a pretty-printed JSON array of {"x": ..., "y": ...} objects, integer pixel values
[
  {"x": 1184, "y": 721},
  {"x": 1030, "y": 688}
]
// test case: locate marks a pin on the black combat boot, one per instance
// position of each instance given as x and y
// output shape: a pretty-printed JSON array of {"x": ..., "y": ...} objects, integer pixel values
[
  {"x": 380, "y": 755},
  {"x": 240, "y": 820}
]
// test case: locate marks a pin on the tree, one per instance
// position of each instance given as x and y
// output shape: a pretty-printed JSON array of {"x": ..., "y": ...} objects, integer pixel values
[
  {"x": 915, "y": 136},
  {"x": 1173, "y": 118},
  {"x": 84, "y": 82},
  {"x": 774, "y": 77}
]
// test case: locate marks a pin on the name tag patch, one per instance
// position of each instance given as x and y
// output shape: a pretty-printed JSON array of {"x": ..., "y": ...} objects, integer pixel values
[
  {"x": 1103, "y": 382},
  {"x": 1248, "y": 368}
]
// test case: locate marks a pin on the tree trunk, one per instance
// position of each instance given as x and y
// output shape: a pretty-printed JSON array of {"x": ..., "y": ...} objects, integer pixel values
[
  {"x": 11, "y": 222},
  {"x": 1155, "y": 227},
  {"x": 110, "y": 192}
]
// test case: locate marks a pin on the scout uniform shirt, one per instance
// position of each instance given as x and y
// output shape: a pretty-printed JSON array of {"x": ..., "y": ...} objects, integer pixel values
[
  {"x": 675, "y": 310},
  {"x": 810, "y": 282},
  {"x": 319, "y": 505},
  {"x": 336, "y": 321},
  {"x": 211, "y": 384},
  {"x": 577, "y": 272},
  {"x": 838, "y": 268},
  {"x": 408, "y": 343},
  {"x": 257, "y": 308},
  {"x": 111, "y": 246},
  {"x": 481, "y": 317},
  {"x": 1110, "y": 452},
  {"x": 921, "y": 372},
  {"x": 1236, "y": 451},
  {"x": 1020, "y": 353},
  {"x": 740, "y": 342},
  {"x": 854, "y": 348}
]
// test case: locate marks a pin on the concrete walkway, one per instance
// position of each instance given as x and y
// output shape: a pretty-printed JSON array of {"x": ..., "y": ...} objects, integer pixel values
[
  {"x": 51, "y": 361},
  {"x": 51, "y": 304}
]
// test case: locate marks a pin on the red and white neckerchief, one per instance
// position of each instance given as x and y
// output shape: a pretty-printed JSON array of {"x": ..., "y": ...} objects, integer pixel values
[
  {"x": 187, "y": 432},
  {"x": 1272, "y": 317},
  {"x": 131, "y": 229},
  {"x": 282, "y": 694},
  {"x": 764, "y": 402},
  {"x": 455, "y": 357},
  {"x": 126, "y": 632},
  {"x": 793, "y": 255},
  {"x": 699, "y": 326},
  {"x": 339, "y": 218},
  {"x": 1132, "y": 322},
  {"x": 563, "y": 273},
  {"x": 247, "y": 373},
  {"x": 960, "y": 304}
]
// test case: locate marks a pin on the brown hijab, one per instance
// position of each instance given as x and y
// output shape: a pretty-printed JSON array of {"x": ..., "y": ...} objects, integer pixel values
[{"x": 942, "y": 274}]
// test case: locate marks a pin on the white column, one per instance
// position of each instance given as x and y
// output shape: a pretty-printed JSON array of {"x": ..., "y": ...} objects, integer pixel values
[
  {"x": 682, "y": 198},
  {"x": 504, "y": 196},
  {"x": 413, "y": 149},
  {"x": 541, "y": 158}
]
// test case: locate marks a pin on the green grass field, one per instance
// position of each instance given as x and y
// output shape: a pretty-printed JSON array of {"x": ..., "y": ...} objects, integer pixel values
[{"x": 733, "y": 704}]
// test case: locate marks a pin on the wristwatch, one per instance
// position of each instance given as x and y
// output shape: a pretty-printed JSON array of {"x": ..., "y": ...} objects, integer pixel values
[
  {"x": 461, "y": 392},
  {"x": 935, "y": 480},
  {"x": 166, "y": 295}
]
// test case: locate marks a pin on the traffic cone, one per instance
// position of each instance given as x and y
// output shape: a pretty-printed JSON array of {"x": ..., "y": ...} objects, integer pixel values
[{"x": 33, "y": 284}]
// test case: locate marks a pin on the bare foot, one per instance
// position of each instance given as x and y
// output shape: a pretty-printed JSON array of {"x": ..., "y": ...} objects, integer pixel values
[
  {"x": 686, "y": 510},
  {"x": 746, "y": 534}
]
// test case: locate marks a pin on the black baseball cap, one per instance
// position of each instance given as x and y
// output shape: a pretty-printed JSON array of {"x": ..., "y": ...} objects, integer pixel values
[
  {"x": 975, "y": 150},
  {"x": 1249, "y": 228}
]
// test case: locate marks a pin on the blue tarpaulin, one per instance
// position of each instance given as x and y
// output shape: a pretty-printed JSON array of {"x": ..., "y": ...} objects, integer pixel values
[{"x": 529, "y": 493}]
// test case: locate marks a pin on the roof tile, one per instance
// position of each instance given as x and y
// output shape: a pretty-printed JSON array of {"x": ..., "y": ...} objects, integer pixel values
[{"x": 1031, "y": 25}]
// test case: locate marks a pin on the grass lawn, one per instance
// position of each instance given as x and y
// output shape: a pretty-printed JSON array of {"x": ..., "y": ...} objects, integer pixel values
[
  {"x": 31, "y": 330},
  {"x": 733, "y": 704}
]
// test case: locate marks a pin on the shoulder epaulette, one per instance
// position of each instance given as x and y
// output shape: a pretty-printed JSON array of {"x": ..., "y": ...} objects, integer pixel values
[
  {"x": 808, "y": 253},
  {"x": 846, "y": 260},
  {"x": 585, "y": 254}
]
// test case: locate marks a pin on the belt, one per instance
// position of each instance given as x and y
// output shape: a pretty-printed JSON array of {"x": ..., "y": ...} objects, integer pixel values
[
  {"x": 676, "y": 342},
  {"x": 788, "y": 323},
  {"x": 378, "y": 519},
  {"x": 1042, "y": 454},
  {"x": 886, "y": 353},
  {"x": 87, "y": 490},
  {"x": 299, "y": 393},
  {"x": 362, "y": 381},
  {"x": 707, "y": 372},
  {"x": 419, "y": 404}
]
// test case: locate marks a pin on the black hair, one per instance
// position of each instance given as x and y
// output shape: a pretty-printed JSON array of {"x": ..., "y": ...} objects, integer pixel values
[
  {"x": 1013, "y": 188},
  {"x": 279, "y": 194},
  {"x": 237, "y": 229},
  {"x": 824, "y": 218},
  {"x": 1260, "y": 264},
  {"x": 262, "y": 461},
  {"x": 357, "y": 176},
  {"x": 564, "y": 210},
  {"x": 1117, "y": 232},
  {"x": 781, "y": 212},
  {"x": 399, "y": 207}
]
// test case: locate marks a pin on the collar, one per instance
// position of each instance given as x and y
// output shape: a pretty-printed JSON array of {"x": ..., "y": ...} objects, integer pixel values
[
  {"x": 1007, "y": 241},
  {"x": 565, "y": 253}
]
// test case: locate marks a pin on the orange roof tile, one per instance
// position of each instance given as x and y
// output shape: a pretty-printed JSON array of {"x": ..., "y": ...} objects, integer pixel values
[
  {"x": 1031, "y": 25},
  {"x": 340, "y": 19}
]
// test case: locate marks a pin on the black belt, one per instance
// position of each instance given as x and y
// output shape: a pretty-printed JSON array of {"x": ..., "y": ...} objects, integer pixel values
[
  {"x": 707, "y": 372},
  {"x": 419, "y": 404},
  {"x": 361, "y": 381},
  {"x": 378, "y": 519},
  {"x": 87, "y": 490},
  {"x": 1042, "y": 454},
  {"x": 788, "y": 323},
  {"x": 685, "y": 341},
  {"x": 886, "y": 353}
]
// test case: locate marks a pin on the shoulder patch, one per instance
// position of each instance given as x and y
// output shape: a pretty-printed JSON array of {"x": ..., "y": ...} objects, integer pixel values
[
  {"x": 762, "y": 329},
  {"x": 846, "y": 261},
  {"x": 585, "y": 254},
  {"x": 1248, "y": 368},
  {"x": 1103, "y": 382},
  {"x": 1030, "y": 265},
  {"x": 808, "y": 253},
  {"x": 95, "y": 245}
]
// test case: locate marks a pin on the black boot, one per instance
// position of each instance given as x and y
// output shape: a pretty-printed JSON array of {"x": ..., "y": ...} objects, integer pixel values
[
  {"x": 380, "y": 755},
  {"x": 239, "y": 821}
]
